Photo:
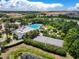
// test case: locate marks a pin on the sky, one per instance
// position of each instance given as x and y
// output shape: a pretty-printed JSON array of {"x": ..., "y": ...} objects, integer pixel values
[{"x": 39, "y": 5}]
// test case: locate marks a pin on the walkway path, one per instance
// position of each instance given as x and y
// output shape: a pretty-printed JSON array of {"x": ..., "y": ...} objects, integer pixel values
[
  {"x": 4, "y": 37},
  {"x": 13, "y": 42}
]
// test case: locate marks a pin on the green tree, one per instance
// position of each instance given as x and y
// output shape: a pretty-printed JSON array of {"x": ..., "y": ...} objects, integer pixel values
[
  {"x": 71, "y": 43},
  {"x": 74, "y": 50}
]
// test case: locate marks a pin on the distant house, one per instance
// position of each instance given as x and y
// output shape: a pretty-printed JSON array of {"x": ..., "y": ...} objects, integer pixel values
[{"x": 72, "y": 14}]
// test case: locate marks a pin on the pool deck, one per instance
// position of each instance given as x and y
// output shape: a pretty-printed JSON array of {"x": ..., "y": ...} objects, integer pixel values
[{"x": 48, "y": 40}]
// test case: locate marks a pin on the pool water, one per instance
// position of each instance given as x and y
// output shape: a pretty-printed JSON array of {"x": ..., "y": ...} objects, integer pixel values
[{"x": 35, "y": 26}]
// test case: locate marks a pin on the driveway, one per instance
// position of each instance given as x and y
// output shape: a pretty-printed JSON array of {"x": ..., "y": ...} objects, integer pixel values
[{"x": 48, "y": 40}]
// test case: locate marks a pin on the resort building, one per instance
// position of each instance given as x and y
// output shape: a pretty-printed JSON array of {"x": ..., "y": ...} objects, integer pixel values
[{"x": 23, "y": 29}]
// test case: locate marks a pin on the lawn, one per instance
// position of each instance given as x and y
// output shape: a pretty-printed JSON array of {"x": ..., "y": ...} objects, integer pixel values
[{"x": 34, "y": 51}]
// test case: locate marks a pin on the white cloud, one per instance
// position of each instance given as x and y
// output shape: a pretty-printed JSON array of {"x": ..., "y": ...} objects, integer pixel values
[
  {"x": 74, "y": 8},
  {"x": 29, "y": 5}
]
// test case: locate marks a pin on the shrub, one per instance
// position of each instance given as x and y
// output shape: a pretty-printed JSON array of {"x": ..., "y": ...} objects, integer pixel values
[
  {"x": 32, "y": 34},
  {"x": 46, "y": 47}
]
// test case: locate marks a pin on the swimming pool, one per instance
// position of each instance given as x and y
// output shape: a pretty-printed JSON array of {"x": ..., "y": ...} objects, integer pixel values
[{"x": 35, "y": 26}]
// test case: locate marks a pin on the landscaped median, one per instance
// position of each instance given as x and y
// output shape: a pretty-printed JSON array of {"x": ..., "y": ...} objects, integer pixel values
[
  {"x": 46, "y": 47},
  {"x": 39, "y": 53}
]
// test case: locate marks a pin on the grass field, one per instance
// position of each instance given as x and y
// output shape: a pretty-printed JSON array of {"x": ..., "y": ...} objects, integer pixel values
[{"x": 14, "y": 54}]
